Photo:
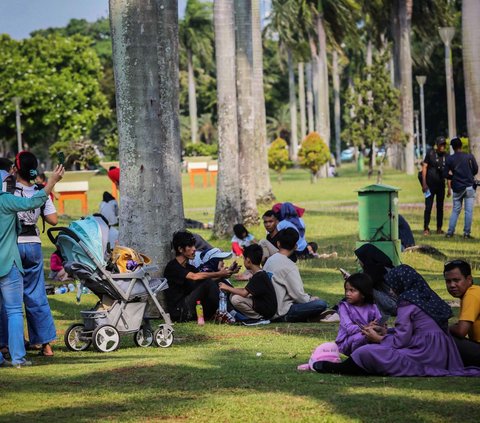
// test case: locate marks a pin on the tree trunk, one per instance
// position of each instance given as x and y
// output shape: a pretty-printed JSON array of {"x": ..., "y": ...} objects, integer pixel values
[
  {"x": 145, "y": 59},
  {"x": 336, "y": 108},
  {"x": 301, "y": 100},
  {"x": 293, "y": 109},
  {"x": 192, "y": 99},
  {"x": 311, "y": 122},
  {"x": 323, "y": 97},
  {"x": 403, "y": 74},
  {"x": 263, "y": 185},
  {"x": 246, "y": 112},
  {"x": 471, "y": 66},
  {"x": 228, "y": 204}
]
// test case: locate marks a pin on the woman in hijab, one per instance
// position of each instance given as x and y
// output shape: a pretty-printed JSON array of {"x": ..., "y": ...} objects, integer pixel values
[
  {"x": 420, "y": 344},
  {"x": 375, "y": 263}
]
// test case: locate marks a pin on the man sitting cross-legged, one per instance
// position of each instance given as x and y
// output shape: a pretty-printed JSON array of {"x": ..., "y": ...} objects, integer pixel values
[
  {"x": 459, "y": 281},
  {"x": 257, "y": 300},
  {"x": 186, "y": 285},
  {"x": 294, "y": 305}
]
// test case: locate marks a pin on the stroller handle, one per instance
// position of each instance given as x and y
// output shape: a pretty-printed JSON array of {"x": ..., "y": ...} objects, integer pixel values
[{"x": 69, "y": 232}]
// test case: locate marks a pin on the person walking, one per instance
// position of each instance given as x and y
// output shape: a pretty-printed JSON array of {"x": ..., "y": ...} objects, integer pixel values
[
  {"x": 433, "y": 184},
  {"x": 460, "y": 170}
]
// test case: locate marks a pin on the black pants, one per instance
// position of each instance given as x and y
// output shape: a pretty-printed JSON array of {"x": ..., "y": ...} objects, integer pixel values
[
  {"x": 347, "y": 367},
  {"x": 469, "y": 351},
  {"x": 439, "y": 194},
  {"x": 207, "y": 293}
]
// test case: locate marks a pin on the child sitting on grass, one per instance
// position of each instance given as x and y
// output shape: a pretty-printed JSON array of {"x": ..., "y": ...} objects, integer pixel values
[
  {"x": 356, "y": 311},
  {"x": 257, "y": 300}
]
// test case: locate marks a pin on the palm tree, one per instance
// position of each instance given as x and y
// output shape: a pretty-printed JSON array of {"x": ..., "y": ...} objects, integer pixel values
[
  {"x": 145, "y": 60},
  {"x": 301, "y": 99},
  {"x": 471, "y": 64},
  {"x": 246, "y": 110},
  {"x": 197, "y": 38},
  {"x": 263, "y": 186},
  {"x": 228, "y": 205}
]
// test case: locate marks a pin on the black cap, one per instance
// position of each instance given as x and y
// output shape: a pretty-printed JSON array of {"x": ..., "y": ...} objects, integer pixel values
[{"x": 440, "y": 141}]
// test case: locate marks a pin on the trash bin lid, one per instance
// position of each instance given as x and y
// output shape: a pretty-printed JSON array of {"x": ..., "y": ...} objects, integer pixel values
[{"x": 378, "y": 188}]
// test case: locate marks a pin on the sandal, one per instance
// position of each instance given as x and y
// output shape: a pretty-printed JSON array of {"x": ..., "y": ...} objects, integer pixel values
[
  {"x": 5, "y": 353},
  {"x": 46, "y": 351}
]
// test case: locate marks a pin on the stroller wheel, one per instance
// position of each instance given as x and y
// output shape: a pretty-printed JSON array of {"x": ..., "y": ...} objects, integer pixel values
[
  {"x": 143, "y": 338},
  {"x": 163, "y": 336},
  {"x": 106, "y": 338},
  {"x": 73, "y": 339}
]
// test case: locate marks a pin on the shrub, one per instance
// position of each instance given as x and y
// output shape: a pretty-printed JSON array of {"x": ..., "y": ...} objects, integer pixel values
[
  {"x": 278, "y": 157},
  {"x": 201, "y": 149},
  {"x": 313, "y": 154}
]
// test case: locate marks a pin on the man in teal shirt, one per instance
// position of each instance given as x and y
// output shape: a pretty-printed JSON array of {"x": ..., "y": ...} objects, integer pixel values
[{"x": 11, "y": 282}]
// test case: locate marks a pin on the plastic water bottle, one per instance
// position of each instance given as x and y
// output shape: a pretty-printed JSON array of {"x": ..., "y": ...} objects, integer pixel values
[
  {"x": 61, "y": 290},
  {"x": 71, "y": 287},
  {"x": 199, "y": 310},
  {"x": 222, "y": 302}
]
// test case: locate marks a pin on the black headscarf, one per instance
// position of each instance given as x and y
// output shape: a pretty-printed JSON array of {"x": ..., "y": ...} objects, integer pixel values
[
  {"x": 374, "y": 262},
  {"x": 410, "y": 286}
]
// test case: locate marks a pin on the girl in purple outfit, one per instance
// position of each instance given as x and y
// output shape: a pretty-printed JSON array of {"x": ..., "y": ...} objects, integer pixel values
[
  {"x": 356, "y": 311},
  {"x": 420, "y": 344}
]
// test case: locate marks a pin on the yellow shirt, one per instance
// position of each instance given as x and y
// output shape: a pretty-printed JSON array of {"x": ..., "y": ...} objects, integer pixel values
[{"x": 470, "y": 311}]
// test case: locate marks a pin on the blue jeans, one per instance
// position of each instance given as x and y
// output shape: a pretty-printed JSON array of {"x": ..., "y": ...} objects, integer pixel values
[
  {"x": 301, "y": 312},
  {"x": 11, "y": 295},
  {"x": 41, "y": 328},
  {"x": 458, "y": 197}
]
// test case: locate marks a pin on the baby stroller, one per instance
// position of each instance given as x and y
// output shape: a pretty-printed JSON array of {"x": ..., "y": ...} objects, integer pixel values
[{"x": 128, "y": 301}]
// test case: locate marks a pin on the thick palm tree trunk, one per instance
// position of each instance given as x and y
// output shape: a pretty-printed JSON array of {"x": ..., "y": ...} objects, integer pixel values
[
  {"x": 323, "y": 97},
  {"x": 403, "y": 76},
  {"x": 246, "y": 112},
  {"x": 301, "y": 100},
  {"x": 336, "y": 105},
  {"x": 192, "y": 98},
  {"x": 228, "y": 205},
  {"x": 145, "y": 59},
  {"x": 471, "y": 66},
  {"x": 311, "y": 121},
  {"x": 293, "y": 109},
  {"x": 263, "y": 185}
]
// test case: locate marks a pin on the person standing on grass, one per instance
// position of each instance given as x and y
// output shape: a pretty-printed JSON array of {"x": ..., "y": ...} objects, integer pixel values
[
  {"x": 11, "y": 269},
  {"x": 41, "y": 328},
  {"x": 294, "y": 305},
  {"x": 257, "y": 300},
  {"x": 460, "y": 170},
  {"x": 466, "y": 332},
  {"x": 433, "y": 184}
]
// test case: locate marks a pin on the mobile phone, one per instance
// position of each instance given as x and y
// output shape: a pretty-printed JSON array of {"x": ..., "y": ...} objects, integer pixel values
[{"x": 61, "y": 158}]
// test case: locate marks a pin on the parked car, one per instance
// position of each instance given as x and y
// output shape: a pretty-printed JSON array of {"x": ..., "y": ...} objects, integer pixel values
[{"x": 347, "y": 155}]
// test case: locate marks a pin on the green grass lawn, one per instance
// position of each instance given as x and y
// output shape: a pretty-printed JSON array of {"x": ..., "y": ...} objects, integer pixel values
[{"x": 213, "y": 373}]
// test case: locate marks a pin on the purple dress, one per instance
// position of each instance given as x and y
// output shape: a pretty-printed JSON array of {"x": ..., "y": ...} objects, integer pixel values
[
  {"x": 418, "y": 347},
  {"x": 349, "y": 336}
]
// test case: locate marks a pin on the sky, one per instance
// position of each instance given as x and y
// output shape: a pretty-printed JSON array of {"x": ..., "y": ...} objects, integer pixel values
[{"x": 20, "y": 17}]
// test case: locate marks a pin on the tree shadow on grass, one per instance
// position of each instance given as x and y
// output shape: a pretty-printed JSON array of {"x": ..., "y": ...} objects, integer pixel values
[{"x": 236, "y": 385}]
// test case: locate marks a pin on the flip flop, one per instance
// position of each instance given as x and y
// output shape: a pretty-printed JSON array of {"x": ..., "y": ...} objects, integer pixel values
[{"x": 43, "y": 353}]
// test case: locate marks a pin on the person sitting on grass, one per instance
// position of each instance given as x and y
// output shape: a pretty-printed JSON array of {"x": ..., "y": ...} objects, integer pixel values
[
  {"x": 420, "y": 344},
  {"x": 57, "y": 272},
  {"x": 466, "y": 332},
  {"x": 257, "y": 300},
  {"x": 293, "y": 304},
  {"x": 241, "y": 239},
  {"x": 186, "y": 285},
  {"x": 356, "y": 310}
]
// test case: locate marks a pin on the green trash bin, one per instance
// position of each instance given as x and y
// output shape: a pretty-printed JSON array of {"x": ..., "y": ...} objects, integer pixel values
[{"x": 378, "y": 219}]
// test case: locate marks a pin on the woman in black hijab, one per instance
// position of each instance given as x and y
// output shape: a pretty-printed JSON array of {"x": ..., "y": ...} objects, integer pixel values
[{"x": 375, "y": 263}]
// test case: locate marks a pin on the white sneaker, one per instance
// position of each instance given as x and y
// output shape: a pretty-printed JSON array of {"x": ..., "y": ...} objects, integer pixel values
[{"x": 331, "y": 318}]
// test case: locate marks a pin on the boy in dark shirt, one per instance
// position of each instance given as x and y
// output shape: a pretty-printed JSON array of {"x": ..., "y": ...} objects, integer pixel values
[
  {"x": 186, "y": 285},
  {"x": 257, "y": 300}
]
